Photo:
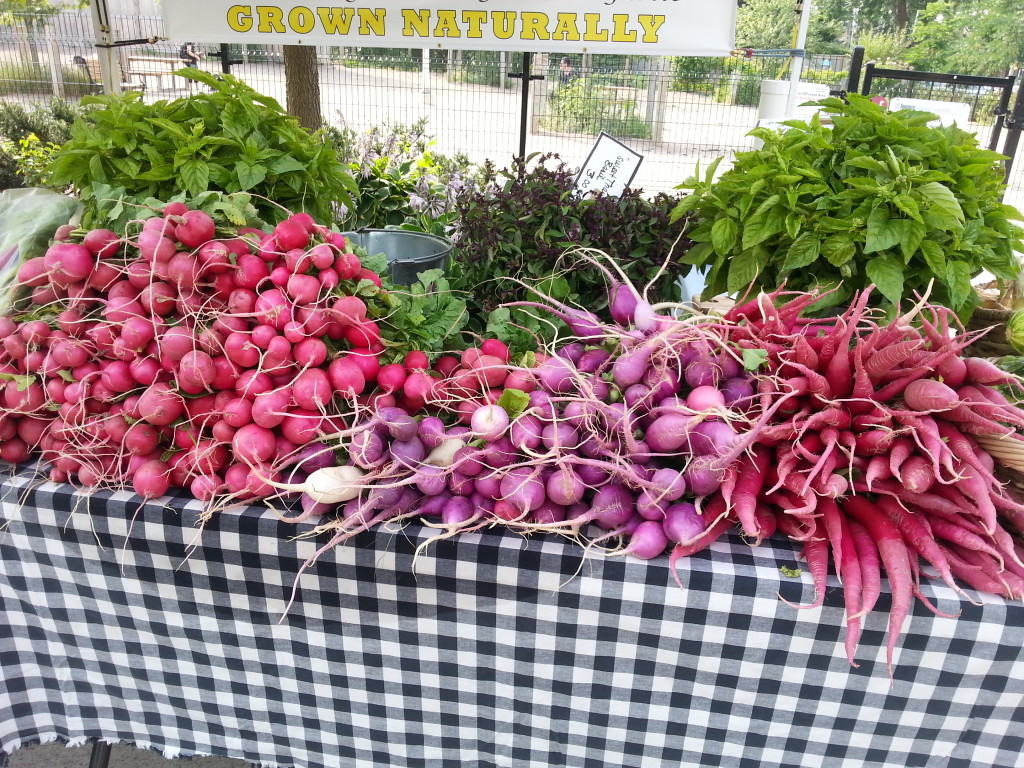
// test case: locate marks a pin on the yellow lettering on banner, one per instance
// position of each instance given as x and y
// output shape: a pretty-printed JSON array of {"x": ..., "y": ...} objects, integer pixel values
[
  {"x": 372, "y": 20},
  {"x": 416, "y": 23},
  {"x": 271, "y": 19},
  {"x": 535, "y": 26},
  {"x": 475, "y": 20},
  {"x": 566, "y": 28},
  {"x": 335, "y": 21},
  {"x": 301, "y": 20},
  {"x": 651, "y": 25},
  {"x": 593, "y": 33},
  {"x": 507, "y": 19},
  {"x": 447, "y": 25},
  {"x": 530, "y": 25},
  {"x": 621, "y": 35},
  {"x": 240, "y": 18}
]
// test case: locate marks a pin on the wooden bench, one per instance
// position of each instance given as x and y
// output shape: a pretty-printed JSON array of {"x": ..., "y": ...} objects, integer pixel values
[
  {"x": 91, "y": 67},
  {"x": 153, "y": 66}
]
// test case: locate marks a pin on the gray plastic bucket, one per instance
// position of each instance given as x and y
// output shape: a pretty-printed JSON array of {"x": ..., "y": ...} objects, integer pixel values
[{"x": 408, "y": 253}]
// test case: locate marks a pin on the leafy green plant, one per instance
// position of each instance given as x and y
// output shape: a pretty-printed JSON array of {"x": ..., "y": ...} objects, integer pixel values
[
  {"x": 28, "y": 78},
  {"x": 230, "y": 139},
  {"x": 695, "y": 74},
  {"x": 523, "y": 225},
  {"x": 31, "y": 158},
  {"x": 400, "y": 181},
  {"x": 584, "y": 107},
  {"x": 877, "y": 198},
  {"x": 49, "y": 123},
  {"x": 427, "y": 315}
]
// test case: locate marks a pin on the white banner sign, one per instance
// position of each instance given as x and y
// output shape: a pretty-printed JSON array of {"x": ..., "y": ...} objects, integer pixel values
[{"x": 651, "y": 27}]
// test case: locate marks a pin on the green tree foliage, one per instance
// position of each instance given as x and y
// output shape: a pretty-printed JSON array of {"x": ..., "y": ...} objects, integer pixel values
[
  {"x": 771, "y": 23},
  {"x": 979, "y": 37},
  {"x": 33, "y": 15}
]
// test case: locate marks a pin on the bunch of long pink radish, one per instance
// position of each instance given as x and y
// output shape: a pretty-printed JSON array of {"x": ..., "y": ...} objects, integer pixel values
[
  {"x": 871, "y": 454},
  {"x": 181, "y": 356}
]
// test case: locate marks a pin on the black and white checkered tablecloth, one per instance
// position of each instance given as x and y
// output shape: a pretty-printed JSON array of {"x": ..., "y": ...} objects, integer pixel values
[{"x": 498, "y": 650}]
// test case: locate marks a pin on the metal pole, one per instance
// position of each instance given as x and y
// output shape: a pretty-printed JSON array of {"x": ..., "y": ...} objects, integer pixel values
[
  {"x": 1001, "y": 111},
  {"x": 797, "y": 58},
  {"x": 105, "y": 51},
  {"x": 1014, "y": 125},
  {"x": 100, "y": 757},
  {"x": 525, "y": 104},
  {"x": 856, "y": 62}
]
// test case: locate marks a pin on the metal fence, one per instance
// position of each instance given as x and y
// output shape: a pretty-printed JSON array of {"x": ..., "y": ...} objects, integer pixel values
[{"x": 676, "y": 112}]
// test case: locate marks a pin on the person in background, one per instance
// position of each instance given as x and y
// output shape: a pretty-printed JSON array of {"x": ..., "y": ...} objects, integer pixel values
[
  {"x": 566, "y": 74},
  {"x": 190, "y": 54}
]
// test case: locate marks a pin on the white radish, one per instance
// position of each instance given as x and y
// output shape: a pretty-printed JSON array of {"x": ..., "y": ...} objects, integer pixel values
[
  {"x": 330, "y": 485},
  {"x": 444, "y": 454}
]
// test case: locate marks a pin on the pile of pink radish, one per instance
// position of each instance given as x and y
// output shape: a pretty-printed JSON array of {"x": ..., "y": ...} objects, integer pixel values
[
  {"x": 241, "y": 364},
  {"x": 183, "y": 355}
]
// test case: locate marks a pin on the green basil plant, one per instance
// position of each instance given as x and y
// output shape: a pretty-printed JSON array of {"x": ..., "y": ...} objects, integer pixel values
[{"x": 863, "y": 197}]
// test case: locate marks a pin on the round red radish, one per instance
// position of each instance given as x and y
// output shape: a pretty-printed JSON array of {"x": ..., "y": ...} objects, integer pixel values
[
  {"x": 469, "y": 356},
  {"x": 101, "y": 242},
  {"x": 391, "y": 378},
  {"x": 302, "y": 427},
  {"x": 15, "y": 450},
  {"x": 272, "y": 308},
  {"x": 269, "y": 408},
  {"x": 416, "y": 361},
  {"x": 349, "y": 310},
  {"x": 160, "y": 405},
  {"x": 322, "y": 256},
  {"x": 369, "y": 274},
  {"x": 238, "y": 412},
  {"x": 206, "y": 487},
  {"x": 251, "y": 383},
  {"x": 291, "y": 234},
  {"x": 418, "y": 387},
  {"x": 196, "y": 370},
  {"x": 496, "y": 348},
  {"x": 251, "y": 271},
  {"x": 68, "y": 263},
  {"x": 347, "y": 266},
  {"x": 305, "y": 221},
  {"x": 312, "y": 390},
  {"x": 33, "y": 273},
  {"x": 140, "y": 438},
  {"x": 310, "y": 353},
  {"x": 446, "y": 365},
  {"x": 240, "y": 349},
  {"x": 254, "y": 444},
  {"x": 176, "y": 208},
  {"x": 214, "y": 257},
  {"x": 346, "y": 376},
  {"x": 366, "y": 334},
  {"x": 195, "y": 228},
  {"x": 152, "y": 479}
]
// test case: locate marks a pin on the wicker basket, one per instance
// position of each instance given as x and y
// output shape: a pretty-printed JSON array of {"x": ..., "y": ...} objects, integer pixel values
[
  {"x": 993, "y": 343},
  {"x": 1008, "y": 451}
]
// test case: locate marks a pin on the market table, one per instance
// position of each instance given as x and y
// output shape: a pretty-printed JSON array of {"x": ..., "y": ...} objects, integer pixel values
[{"x": 125, "y": 624}]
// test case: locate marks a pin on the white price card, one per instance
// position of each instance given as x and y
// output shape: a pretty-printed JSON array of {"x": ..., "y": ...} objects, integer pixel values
[{"x": 609, "y": 168}]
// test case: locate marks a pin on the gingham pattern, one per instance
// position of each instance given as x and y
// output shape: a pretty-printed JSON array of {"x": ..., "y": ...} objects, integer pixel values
[{"x": 495, "y": 652}]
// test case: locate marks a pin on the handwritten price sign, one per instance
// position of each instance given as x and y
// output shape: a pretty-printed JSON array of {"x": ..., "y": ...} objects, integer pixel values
[{"x": 609, "y": 168}]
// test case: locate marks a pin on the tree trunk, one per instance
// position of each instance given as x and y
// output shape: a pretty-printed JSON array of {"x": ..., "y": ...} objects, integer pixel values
[
  {"x": 899, "y": 14},
  {"x": 302, "y": 85}
]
